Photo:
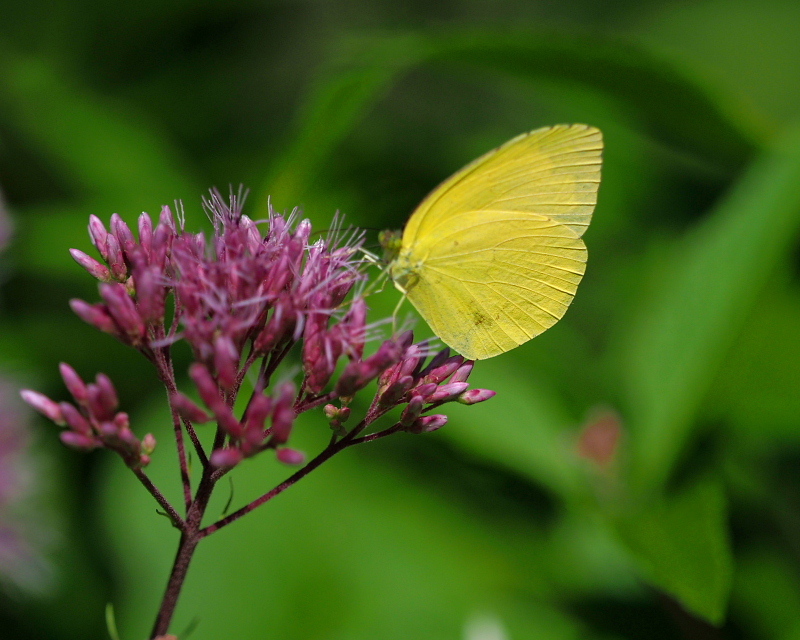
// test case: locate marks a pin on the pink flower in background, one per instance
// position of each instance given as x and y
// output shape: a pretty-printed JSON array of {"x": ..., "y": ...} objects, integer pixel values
[{"x": 23, "y": 538}]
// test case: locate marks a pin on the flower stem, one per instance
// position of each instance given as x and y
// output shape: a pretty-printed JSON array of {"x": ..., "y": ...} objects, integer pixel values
[{"x": 186, "y": 549}]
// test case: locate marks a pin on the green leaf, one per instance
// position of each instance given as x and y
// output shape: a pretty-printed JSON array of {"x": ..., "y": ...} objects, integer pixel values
[
  {"x": 102, "y": 149},
  {"x": 704, "y": 294},
  {"x": 694, "y": 119},
  {"x": 681, "y": 546}
]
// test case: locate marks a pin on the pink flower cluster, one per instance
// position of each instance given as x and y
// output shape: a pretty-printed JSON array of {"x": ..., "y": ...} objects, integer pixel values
[
  {"x": 242, "y": 301},
  {"x": 93, "y": 421}
]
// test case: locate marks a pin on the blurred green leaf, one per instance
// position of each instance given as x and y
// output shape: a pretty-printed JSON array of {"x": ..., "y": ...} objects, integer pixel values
[
  {"x": 397, "y": 559},
  {"x": 111, "y": 158},
  {"x": 703, "y": 296},
  {"x": 105, "y": 151},
  {"x": 681, "y": 546},
  {"x": 767, "y": 594},
  {"x": 672, "y": 105},
  {"x": 755, "y": 391},
  {"x": 535, "y": 439}
]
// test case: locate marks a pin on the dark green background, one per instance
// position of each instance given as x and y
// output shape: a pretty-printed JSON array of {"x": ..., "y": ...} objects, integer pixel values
[{"x": 687, "y": 323}]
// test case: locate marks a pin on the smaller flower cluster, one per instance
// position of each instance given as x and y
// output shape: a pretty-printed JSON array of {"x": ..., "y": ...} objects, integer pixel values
[
  {"x": 404, "y": 378},
  {"x": 132, "y": 268},
  {"x": 250, "y": 435},
  {"x": 93, "y": 421}
]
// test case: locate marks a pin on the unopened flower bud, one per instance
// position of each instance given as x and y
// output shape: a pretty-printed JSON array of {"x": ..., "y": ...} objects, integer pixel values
[
  {"x": 396, "y": 391},
  {"x": 167, "y": 220},
  {"x": 188, "y": 410},
  {"x": 44, "y": 405},
  {"x": 437, "y": 361},
  {"x": 426, "y": 424},
  {"x": 123, "y": 311},
  {"x": 75, "y": 419},
  {"x": 474, "y": 396},
  {"x": 123, "y": 234},
  {"x": 283, "y": 414},
  {"x": 98, "y": 235},
  {"x": 462, "y": 373},
  {"x": 337, "y": 416},
  {"x": 303, "y": 230},
  {"x": 150, "y": 294},
  {"x": 210, "y": 393},
  {"x": 226, "y": 458},
  {"x": 148, "y": 444},
  {"x": 254, "y": 422},
  {"x": 79, "y": 441},
  {"x": 412, "y": 411},
  {"x": 94, "y": 314},
  {"x": 115, "y": 259},
  {"x": 145, "y": 231},
  {"x": 425, "y": 390},
  {"x": 95, "y": 269},
  {"x": 448, "y": 392},
  {"x": 226, "y": 361},
  {"x": 75, "y": 385},
  {"x": 108, "y": 394},
  {"x": 291, "y": 457},
  {"x": 443, "y": 370}
]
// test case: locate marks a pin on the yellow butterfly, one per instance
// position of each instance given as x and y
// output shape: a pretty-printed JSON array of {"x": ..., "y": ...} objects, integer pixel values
[{"x": 493, "y": 256}]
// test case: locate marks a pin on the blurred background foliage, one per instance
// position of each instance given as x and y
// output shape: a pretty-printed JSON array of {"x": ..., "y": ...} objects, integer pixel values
[{"x": 525, "y": 517}]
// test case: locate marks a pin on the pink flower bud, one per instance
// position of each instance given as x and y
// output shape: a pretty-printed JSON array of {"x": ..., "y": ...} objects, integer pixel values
[
  {"x": 412, "y": 411},
  {"x": 123, "y": 311},
  {"x": 437, "y": 361},
  {"x": 166, "y": 219},
  {"x": 426, "y": 424},
  {"x": 411, "y": 361},
  {"x": 98, "y": 235},
  {"x": 75, "y": 385},
  {"x": 115, "y": 259},
  {"x": 188, "y": 410},
  {"x": 395, "y": 392},
  {"x": 79, "y": 441},
  {"x": 123, "y": 234},
  {"x": 145, "y": 231},
  {"x": 283, "y": 414},
  {"x": 91, "y": 265},
  {"x": 443, "y": 370},
  {"x": 255, "y": 419},
  {"x": 281, "y": 323},
  {"x": 291, "y": 457},
  {"x": 150, "y": 294},
  {"x": 226, "y": 458},
  {"x": 226, "y": 362},
  {"x": 94, "y": 314},
  {"x": 474, "y": 396},
  {"x": 303, "y": 231},
  {"x": 462, "y": 373},
  {"x": 425, "y": 390},
  {"x": 75, "y": 419},
  {"x": 210, "y": 393},
  {"x": 108, "y": 394},
  {"x": 448, "y": 392},
  {"x": 44, "y": 405}
]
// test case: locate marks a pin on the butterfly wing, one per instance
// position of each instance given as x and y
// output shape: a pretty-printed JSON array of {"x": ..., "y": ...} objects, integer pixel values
[
  {"x": 484, "y": 297},
  {"x": 493, "y": 256},
  {"x": 554, "y": 171}
]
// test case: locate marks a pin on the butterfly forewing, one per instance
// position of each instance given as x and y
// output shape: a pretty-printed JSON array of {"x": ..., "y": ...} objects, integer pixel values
[{"x": 553, "y": 171}]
